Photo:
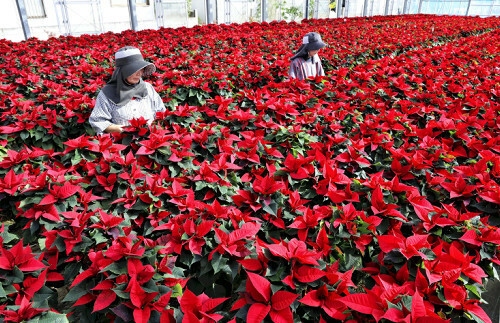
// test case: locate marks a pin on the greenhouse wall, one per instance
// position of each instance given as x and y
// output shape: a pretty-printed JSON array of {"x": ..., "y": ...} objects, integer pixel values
[
  {"x": 75, "y": 17},
  {"x": 91, "y": 17}
]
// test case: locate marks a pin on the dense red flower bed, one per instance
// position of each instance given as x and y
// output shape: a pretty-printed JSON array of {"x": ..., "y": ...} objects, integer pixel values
[{"x": 371, "y": 194}]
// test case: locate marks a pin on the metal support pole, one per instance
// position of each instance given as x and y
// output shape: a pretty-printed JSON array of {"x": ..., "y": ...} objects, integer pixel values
[
  {"x": 133, "y": 14},
  {"x": 66, "y": 21},
  {"x": 63, "y": 21},
  {"x": 386, "y": 12},
  {"x": 159, "y": 13},
  {"x": 207, "y": 14},
  {"x": 339, "y": 8},
  {"x": 227, "y": 11},
  {"x": 405, "y": 8},
  {"x": 365, "y": 8},
  {"x": 420, "y": 6},
  {"x": 491, "y": 8},
  {"x": 210, "y": 14},
  {"x": 101, "y": 25},
  {"x": 186, "y": 14},
  {"x": 316, "y": 9},
  {"x": 468, "y": 8},
  {"x": 346, "y": 14},
  {"x": 216, "y": 9},
  {"x": 93, "y": 14},
  {"x": 24, "y": 18},
  {"x": 306, "y": 15},
  {"x": 264, "y": 10}
]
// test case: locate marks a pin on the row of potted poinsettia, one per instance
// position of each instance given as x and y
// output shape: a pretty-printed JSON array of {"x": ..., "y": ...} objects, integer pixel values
[
  {"x": 59, "y": 77},
  {"x": 371, "y": 194}
]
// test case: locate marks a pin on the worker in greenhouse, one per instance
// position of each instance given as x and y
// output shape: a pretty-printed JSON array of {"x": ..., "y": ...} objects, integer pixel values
[
  {"x": 306, "y": 62},
  {"x": 126, "y": 96}
]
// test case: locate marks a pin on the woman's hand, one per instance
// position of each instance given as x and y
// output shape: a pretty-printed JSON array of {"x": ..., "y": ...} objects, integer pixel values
[{"x": 114, "y": 128}]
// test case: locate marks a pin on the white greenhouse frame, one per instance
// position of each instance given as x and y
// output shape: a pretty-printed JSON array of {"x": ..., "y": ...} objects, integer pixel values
[{"x": 251, "y": 10}]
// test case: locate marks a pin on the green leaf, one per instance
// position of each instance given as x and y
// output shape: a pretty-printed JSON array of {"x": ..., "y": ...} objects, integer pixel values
[
  {"x": 71, "y": 271},
  {"x": 473, "y": 289},
  {"x": 150, "y": 287},
  {"x": 397, "y": 306},
  {"x": 74, "y": 294},
  {"x": 119, "y": 291},
  {"x": 394, "y": 257},
  {"x": 350, "y": 261},
  {"x": 116, "y": 268},
  {"x": 41, "y": 298},
  {"x": 406, "y": 301},
  {"x": 235, "y": 268},
  {"x": 39, "y": 135},
  {"x": 24, "y": 135},
  {"x": 428, "y": 253},
  {"x": 487, "y": 207},
  {"x": 6, "y": 235},
  {"x": 18, "y": 276},
  {"x": 98, "y": 237},
  {"x": 199, "y": 185},
  {"x": 176, "y": 291},
  {"x": 272, "y": 208},
  {"x": 2, "y": 292},
  {"x": 10, "y": 289},
  {"x": 474, "y": 317},
  {"x": 30, "y": 200},
  {"x": 218, "y": 262},
  {"x": 50, "y": 317}
]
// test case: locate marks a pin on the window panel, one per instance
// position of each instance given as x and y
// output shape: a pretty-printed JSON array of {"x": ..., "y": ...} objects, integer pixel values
[
  {"x": 35, "y": 8},
  {"x": 123, "y": 3}
]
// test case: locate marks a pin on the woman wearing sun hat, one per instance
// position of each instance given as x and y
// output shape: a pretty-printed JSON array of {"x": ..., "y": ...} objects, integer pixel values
[
  {"x": 126, "y": 96},
  {"x": 306, "y": 62}
]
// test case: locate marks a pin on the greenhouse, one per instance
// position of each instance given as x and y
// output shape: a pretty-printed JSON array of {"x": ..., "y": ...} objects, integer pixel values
[{"x": 250, "y": 161}]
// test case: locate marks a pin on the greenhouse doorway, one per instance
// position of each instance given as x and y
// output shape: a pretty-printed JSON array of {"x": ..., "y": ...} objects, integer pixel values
[
  {"x": 78, "y": 17},
  {"x": 171, "y": 13},
  {"x": 238, "y": 11}
]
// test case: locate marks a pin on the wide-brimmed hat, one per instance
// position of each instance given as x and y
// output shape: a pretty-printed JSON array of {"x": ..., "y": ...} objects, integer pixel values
[
  {"x": 130, "y": 60},
  {"x": 313, "y": 41}
]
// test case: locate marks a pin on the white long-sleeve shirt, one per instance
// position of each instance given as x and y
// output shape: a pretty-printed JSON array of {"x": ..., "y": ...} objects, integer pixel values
[
  {"x": 106, "y": 112},
  {"x": 303, "y": 68}
]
